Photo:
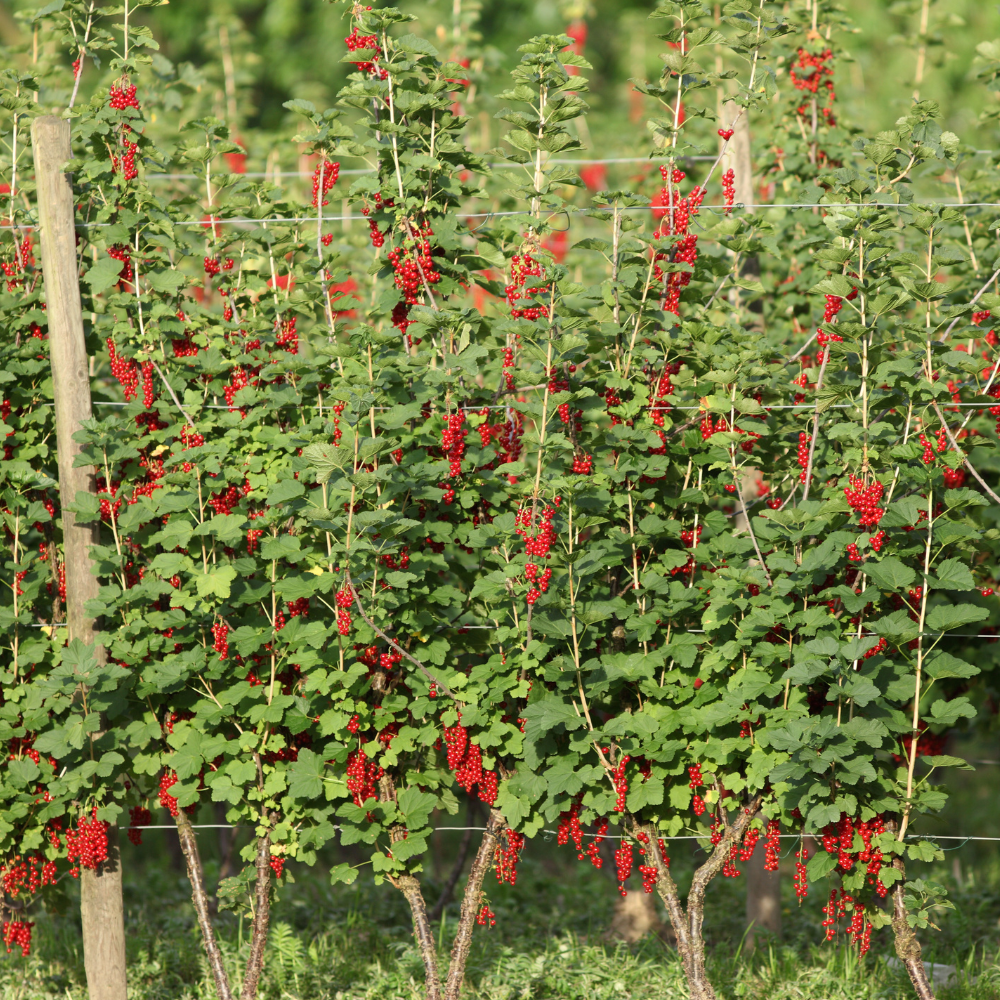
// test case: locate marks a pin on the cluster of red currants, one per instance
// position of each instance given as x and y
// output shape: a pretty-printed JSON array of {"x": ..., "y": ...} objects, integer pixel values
[
  {"x": 27, "y": 873},
  {"x": 539, "y": 583},
  {"x": 941, "y": 444},
  {"x": 507, "y": 857},
  {"x": 839, "y": 839},
  {"x": 87, "y": 845},
  {"x": 377, "y": 236},
  {"x": 413, "y": 266},
  {"x": 363, "y": 775},
  {"x": 522, "y": 267},
  {"x": 169, "y": 802},
  {"x": 125, "y": 370},
  {"x": 465, "y": 759},
  {"x": 696, "y": 781},
  {"x": 345, "y": 598},
  {"x": 569, "y": 829},
  {"x": 220, "y": 639},
  {"x": 354, "y": 41},
  {"x": 729, "y": 189},
  {"x": 865, "y": 501},
  {"x": 812, "y": 72},
  {"x": 453, "y": 442},
  {"x": 623, "y": 865},
  {"x": 122, "y": 95},
  {"x": 620, "y": 783},
  {"x": 324, "y": 177},
  {"x": 18, "y": 932}
]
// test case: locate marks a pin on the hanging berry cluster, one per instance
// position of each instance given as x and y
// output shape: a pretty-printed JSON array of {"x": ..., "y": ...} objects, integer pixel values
[
  {"x": 508, "y": 855},
  {"x": 345, "y": 598},
  {"x": 125, "y": 370},
  {"x": 453, "y": 442},
  {"x": 864, "y": 500},
  {"x": 18, "y": 932},
  {"x": 678, "y": 211},
  {"x": 839, "y": 839},
  {"x": 87, "y": 845},
  {"x": 355, "y": 41},
  {"x": 623, "y": 865},
  {"x": 169, "y": 802},
  {"x": 621, "y": 783},
  {"x": 413, "y": 266},
  {"x": 812, "y": 73},
  {"x": 859, "y": 930},
  {"x": 122, "y": 96},
  {"x": 696, "y": 781},
  {"x": 27, "y": 875},
  {"x": 465, "y": 760},
  {"x": 324, "y": 177},
  {"x": 522, "y": 267},
  {"x": 363, "y": 776},
  {"x": 570, "y": 829},
  {"x": 139, "y": 816}
]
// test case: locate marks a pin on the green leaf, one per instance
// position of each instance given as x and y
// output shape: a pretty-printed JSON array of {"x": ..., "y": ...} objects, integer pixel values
[
  {"x": 282, "y": 547},
  {"x": 343, "y": 873},
  {"x": 305, "y": 776},
  {"x": 170, "y": 282},
  {"x": 891, "y": 573},
  {"x": 947, "y": 713},
  {"x": 103, "y": 274},
  {"x": 943, "y": 617},
  {"x": 924, "y": 850},
  {"x": 820, "y": 865},
  {"x": 940, "y": 665},
  {"x": 953, "y": 574},
  {"x": 415, "y": 807},
  {"x": 945, "y": 761},
  {"x": 216, "y": 583},
  {"x": 284, "y": 491}
]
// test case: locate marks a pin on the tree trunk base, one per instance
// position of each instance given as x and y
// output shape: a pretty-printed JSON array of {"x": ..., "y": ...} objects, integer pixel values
[{"x": 636, "y": 916}]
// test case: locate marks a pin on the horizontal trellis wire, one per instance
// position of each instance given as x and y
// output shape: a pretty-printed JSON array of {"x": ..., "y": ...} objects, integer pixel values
[{"x": 605, "y": 836}]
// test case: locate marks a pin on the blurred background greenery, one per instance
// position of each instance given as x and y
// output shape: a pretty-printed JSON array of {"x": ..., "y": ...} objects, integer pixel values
[{"x": 281, "y": 49}]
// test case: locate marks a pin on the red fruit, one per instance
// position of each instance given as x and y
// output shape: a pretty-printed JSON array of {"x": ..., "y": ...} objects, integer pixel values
[{"x": 168, "y": 801}]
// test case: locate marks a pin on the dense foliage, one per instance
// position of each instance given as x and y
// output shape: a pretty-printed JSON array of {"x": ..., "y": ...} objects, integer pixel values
[{"x": 685, "y": 529}]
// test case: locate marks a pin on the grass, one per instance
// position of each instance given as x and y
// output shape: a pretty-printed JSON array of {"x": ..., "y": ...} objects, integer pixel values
[{"x": 355, "y": 943}]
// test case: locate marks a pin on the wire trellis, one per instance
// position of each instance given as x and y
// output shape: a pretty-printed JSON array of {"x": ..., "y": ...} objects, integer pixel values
[
  {"x": 216, "y": 223},
  {"x": 606, "y": 836}
]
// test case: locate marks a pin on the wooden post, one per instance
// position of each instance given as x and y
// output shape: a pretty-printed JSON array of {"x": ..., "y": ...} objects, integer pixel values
[
  {"x": 738, "y": 154},
  {"x": 100, "y": 889},
  {"x": 739, "y": 157}
]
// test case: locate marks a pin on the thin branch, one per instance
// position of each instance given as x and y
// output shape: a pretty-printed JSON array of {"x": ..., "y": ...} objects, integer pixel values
[
  {"x": 815, "y": 432},
  {"x": 173, "y": 395},
  {"x": 753, "y": 537},
  {"x": 395, "y": 645},
  {"x": 975, "y": 298}
]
